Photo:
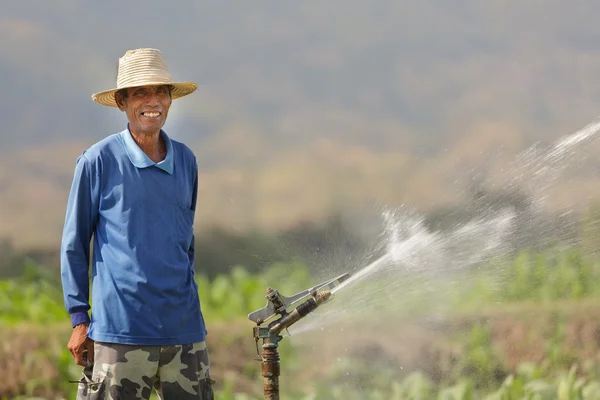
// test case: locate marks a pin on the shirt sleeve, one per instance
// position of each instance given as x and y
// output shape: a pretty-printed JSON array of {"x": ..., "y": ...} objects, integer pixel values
[{"x": 80, "y": 223}]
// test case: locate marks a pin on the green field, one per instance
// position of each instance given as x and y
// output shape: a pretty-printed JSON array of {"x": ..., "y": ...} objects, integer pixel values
[{"x": 525, "y": 327}]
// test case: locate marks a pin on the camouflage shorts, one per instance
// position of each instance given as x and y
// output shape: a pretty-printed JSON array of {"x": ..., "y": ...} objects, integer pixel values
[{"x": 124, "y": 372}]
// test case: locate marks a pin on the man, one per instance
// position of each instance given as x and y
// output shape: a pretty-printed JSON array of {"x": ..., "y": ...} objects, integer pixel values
[{"x": 135, "y": 193}]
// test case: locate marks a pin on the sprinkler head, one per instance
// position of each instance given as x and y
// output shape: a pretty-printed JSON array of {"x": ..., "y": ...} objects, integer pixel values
[
  {"x": 278, "y": 304},
  {"x": 322, "y": 296}
]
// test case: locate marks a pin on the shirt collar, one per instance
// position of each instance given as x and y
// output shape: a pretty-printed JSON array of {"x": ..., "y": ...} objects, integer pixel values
[{"x": 141, "y": 160}]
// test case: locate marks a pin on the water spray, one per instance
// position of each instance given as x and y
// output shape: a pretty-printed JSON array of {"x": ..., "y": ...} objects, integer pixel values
[{"x": 277, "y": 304}]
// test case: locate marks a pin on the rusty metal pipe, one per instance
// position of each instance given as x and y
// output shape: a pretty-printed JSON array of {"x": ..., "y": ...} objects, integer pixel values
[{"x": 270, "y": 371}]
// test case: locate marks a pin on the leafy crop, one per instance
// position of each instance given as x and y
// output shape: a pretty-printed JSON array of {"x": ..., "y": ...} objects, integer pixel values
[{"x": 477, "y": 369}]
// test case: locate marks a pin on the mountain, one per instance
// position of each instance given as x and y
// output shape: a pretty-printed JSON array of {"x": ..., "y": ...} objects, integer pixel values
[{"x": 303, "y": 107}]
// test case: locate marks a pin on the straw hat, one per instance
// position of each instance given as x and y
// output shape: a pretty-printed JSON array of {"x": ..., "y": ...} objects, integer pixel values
[{"x": 143, "y": 67}]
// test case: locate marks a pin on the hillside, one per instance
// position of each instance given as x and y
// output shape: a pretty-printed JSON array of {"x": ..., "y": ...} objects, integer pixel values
[{"x": 303, "y": 107}]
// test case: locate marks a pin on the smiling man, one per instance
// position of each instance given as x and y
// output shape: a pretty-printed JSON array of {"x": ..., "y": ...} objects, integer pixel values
[{"x": 134, "y": 194}]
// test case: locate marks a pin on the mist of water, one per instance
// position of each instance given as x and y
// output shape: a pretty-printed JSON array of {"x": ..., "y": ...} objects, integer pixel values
[{"x": 417, "y": 265}]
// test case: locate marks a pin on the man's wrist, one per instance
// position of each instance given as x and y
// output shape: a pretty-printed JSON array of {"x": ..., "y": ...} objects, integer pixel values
[{"x": 78, "y": 318}]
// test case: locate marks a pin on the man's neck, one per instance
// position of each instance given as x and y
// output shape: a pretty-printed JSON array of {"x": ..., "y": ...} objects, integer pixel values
[{"x": 152, "y": 144}]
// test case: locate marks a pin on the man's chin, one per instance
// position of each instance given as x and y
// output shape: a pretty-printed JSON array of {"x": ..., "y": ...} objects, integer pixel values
[{"x": 151, "y": 126}]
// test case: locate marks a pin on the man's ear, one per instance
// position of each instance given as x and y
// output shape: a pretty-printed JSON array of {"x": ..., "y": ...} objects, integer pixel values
[{"x": 120, "y": 101}]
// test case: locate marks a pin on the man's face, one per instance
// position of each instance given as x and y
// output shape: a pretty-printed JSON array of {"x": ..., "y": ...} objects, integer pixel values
[{"x": 146, "y": 107}]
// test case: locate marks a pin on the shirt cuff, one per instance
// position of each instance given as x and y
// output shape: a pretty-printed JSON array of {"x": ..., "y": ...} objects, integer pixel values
[{"x": 78, "y": 318}]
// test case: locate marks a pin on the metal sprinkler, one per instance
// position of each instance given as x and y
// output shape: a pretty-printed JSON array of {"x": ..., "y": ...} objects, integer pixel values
[{"x": 278, "y": 304}]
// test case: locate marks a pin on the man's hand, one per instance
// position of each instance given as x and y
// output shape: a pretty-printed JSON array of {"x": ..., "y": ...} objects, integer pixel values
[{"x": 80, "y": 344}]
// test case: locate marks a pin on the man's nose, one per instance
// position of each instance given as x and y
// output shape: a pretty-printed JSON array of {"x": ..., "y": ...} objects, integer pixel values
[{"x": 152, "y": 99}]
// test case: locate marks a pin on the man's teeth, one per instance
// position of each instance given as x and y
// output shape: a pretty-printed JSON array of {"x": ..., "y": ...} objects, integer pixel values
[{"x": 151, "y": 114}]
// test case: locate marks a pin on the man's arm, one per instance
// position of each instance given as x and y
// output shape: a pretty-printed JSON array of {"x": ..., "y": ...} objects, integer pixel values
[{"x": 80, "y": 222}]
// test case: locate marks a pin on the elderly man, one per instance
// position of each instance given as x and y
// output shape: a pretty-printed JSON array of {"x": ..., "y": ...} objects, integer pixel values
[{"x": 134, "y": 193}]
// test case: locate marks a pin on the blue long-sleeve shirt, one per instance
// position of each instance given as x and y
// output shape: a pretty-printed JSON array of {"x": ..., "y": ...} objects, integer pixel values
[{"x": 140, "y": 215}]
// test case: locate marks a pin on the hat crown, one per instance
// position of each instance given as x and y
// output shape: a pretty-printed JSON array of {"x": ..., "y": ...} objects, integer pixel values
[{"x": 141, "y": 67}]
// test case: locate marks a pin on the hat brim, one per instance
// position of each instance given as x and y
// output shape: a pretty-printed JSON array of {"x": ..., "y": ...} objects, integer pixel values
[{"x": 180, "y": 89}]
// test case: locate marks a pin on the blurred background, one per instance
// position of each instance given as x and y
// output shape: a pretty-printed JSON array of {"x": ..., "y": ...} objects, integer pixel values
[{"x": 443, "y": 152}]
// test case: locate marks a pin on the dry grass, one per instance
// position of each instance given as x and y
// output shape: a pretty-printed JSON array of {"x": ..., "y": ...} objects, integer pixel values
[{"x": 27, "y": 360}]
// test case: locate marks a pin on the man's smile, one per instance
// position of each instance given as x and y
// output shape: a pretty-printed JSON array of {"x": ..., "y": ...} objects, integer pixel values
[{"x": 151, "y": 114}]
